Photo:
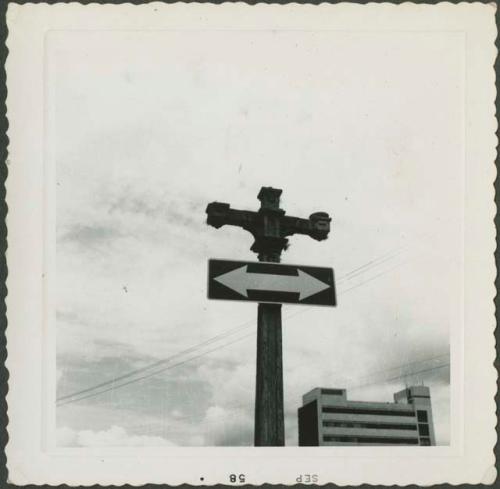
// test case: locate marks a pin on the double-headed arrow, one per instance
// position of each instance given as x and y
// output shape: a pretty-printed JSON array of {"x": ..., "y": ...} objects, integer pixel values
[{"x": 241, "y": 281}]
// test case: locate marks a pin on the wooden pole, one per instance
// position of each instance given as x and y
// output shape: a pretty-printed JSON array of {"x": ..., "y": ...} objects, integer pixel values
[
  {"x": 270, "y": 228},
  {"x": 269, "y": 414}
]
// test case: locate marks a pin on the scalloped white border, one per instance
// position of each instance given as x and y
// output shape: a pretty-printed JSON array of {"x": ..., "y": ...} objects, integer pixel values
[{"x": 469, "y": 459}]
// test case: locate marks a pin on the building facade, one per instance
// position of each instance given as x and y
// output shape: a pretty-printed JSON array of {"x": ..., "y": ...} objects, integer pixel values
[{"x": 328, "y": 418}]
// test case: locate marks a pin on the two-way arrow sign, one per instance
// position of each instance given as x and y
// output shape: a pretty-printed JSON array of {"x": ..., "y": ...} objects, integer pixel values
[{"x": 270, "y": 282}]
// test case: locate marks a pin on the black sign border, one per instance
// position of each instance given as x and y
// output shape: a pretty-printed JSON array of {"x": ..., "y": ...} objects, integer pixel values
[{"x": 236, "y": 297}]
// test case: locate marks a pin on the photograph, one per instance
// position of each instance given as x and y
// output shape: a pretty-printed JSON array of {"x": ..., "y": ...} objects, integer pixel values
[
  {"x": 251, "y": 244},
  {"x": 235, "y": 152}
]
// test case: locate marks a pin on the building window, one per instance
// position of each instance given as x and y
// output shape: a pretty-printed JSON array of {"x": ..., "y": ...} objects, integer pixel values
[
  {"x": 423, "y": 429},
  {"x": 373, "y": 426},
  {"x": 422, "y": 416},
  {"x": 383, "y": 412},
  {"x": 426, "y": 442},
  {"x": 371, "y": 439},
  {"x": 333, "y": 392}
]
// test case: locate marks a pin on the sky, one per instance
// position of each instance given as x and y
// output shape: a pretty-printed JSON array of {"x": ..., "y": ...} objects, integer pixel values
[{"x": 149, "y": 127}]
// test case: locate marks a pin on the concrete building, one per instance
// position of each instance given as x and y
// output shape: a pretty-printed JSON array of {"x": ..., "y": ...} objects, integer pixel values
[{"x": 327, "y": 418}]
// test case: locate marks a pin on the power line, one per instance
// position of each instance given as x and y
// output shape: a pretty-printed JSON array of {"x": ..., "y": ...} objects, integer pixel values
[
  {"x": 162, "y": 362},
  {"x": 377, "y": 382},
  {"x": 378, "y": 261},
  {"x": 222, "y": 335},
  {"x": 113, "y": 387},
  {"x": 76, "y": 396},
  {"x": 376, "y": 276},
  {"x": 415, "y": 362},
  {"x": 398, "y": 377}
]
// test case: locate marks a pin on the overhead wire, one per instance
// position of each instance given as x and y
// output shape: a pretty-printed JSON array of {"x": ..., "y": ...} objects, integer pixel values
[
  {"x": 378, "y": 261},
  {"x": 150, "y": 374},
  {"x": 77, "y": 396},
  {"x": 410, "y": 374},
  {"x": 404, "y": 365},
  {"x": 209, "y": 341},
  {"x": 372, "y": 382},
  {"x": 375, "y": 276}
]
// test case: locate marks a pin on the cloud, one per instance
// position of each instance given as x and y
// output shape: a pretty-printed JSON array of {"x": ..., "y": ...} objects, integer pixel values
[
  {"x": 135, "y": 174},
  {"x": 158, "y": 206},
  {"x": 230, "y": 427},
  {"x": 66, "y": 437},
  {"x": 115, "y": 436},
  {"x": 86, "y": 235}
]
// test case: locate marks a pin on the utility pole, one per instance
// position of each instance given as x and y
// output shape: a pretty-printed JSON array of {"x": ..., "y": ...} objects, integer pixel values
[{"x": 270, "y": 228}]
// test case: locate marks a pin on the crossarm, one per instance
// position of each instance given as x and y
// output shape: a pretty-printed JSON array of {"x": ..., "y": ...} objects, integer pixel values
[
  {"x": 219, "y": 214},
  {"x": 317, "y": 226}
]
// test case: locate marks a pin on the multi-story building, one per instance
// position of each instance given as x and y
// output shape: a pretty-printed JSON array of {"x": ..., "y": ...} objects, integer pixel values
[{"x": 328, "y": 418}]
